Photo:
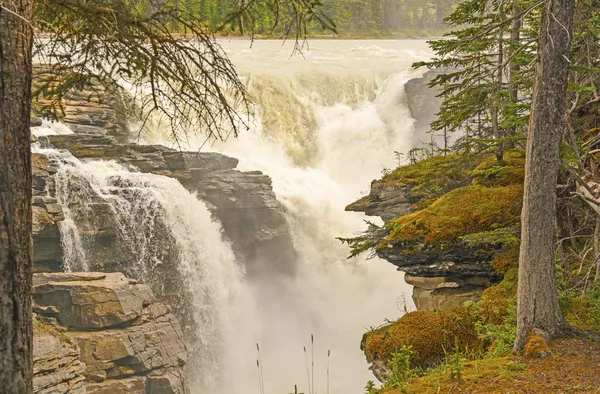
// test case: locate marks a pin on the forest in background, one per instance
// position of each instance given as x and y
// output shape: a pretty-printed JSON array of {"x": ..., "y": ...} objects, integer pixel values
[{"x": 353, "y": 18}]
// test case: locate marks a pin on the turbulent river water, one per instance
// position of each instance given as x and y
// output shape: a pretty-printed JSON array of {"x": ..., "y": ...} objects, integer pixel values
[{"x": 328, "y": 122}]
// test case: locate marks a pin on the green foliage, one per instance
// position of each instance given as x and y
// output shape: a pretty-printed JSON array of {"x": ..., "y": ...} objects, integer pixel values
[
  {"x": 478, "y": 56},
  {"x": 362, "y": 18},
  {"x": 370, "y": 388},
  {"x": 582, "y": 310},
  {"x": 501, "y": 337},
  {"x": 367, "y": 241},
  {"x": 454, "y": 363},
  {"x": 400, "y": 371}
]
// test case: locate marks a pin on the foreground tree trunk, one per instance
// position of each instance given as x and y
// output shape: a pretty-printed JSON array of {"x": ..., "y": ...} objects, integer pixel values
[
  {"x": 537, "y": 306},
  {"x": 15, "y": 197}
]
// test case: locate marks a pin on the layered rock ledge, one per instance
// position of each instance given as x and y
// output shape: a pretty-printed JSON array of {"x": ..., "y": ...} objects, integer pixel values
[
  {"x": 244, "y": 202},
  {"x": 446, "y": 221},
  {"x": 103, "y": 333}
]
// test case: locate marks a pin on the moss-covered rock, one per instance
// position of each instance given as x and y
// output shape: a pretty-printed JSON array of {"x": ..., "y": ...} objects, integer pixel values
[
  {"x": 431, "y": 334},
  {"x": 463, "y": 211},
  {"x": 537, "y": 347}
]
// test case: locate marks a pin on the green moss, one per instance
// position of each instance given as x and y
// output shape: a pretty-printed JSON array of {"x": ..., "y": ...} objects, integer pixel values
[
  {"x": 433, "y": 176},
  {"x": 488, "y": 173},
  {"x": 496, "y": 301},
  {"x": 431, "y": 334},
  {"x": 463, "y": 211}
]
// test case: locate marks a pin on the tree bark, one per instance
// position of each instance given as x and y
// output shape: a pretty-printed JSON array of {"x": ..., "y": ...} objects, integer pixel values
[
  {"x": 15, "y": 197},
  {"x": 537, "y": 306},
  {"x": 513, "y": 66}
]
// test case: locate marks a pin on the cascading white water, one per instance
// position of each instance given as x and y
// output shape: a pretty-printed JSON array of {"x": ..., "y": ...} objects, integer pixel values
[
  {"x": 148, "y": 209},
  {"x": 328, "y": 123}
]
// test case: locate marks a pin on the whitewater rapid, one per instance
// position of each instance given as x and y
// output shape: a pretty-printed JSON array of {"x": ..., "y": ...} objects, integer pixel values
[{"x": 327, "y": 123}]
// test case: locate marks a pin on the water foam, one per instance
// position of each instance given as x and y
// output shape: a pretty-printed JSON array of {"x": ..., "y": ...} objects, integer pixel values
[
  {"x": 328, "y": 123},
  {"x": 147, "y": 208}
]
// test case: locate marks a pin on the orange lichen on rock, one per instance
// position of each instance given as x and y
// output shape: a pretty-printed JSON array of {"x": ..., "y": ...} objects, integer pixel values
[{"x": 537, "y": 347}]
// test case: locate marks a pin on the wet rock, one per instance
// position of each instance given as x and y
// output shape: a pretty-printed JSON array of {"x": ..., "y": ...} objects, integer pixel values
[
  {"x": 35, "y": 121},
  {"x": 46, "y": 215},
  {"x": 251, "y": 217},
  {"x": 424, "y": 103},
  {"x": 207, "y": 160}
]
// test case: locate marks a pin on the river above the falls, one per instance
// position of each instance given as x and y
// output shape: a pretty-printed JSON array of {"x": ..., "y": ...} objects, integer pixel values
[{"x": 328, "y": 122}]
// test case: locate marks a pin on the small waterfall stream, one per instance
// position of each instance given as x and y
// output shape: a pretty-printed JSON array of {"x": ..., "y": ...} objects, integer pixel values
[{"x": 166, "y": 238}]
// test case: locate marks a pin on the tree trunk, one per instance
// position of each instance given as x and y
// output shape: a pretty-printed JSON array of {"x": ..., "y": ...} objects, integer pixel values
[
  {"x": 513, "y": 67},
  {"x": 537, "y": 306},
  {"x": 15, "y": 197},
  {"x": 498, "y": 76}
]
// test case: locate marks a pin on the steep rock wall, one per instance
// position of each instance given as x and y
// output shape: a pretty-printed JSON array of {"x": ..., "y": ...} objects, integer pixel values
[
  {"x": 244, "y": 202},
  {"x": 104, "y": 333}
]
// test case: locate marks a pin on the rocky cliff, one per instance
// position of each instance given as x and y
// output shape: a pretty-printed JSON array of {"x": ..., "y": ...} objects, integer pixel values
[
  {"x": 103, "y": 333},
  {"x": 244, "y": 202},
  {"x": 446, "y": 221}
]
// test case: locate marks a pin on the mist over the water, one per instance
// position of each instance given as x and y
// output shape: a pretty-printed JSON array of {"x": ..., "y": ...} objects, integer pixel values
[{"x": 328, "y": 122}]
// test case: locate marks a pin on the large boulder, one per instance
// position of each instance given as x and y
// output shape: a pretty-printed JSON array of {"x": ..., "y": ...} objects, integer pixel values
[
  {"x": 92, "y": 300},
  {"x": 104, "y": 333}
]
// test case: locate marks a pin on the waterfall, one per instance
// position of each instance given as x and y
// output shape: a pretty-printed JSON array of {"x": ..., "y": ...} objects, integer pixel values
[
  {"x": 328, "y": 123},
  {"x": 165, "y": 238}
]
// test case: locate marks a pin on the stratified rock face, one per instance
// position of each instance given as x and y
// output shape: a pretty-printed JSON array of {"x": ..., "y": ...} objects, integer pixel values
[
  {"x": 244, "y": 202},
  {"x": 386, "y": 200},
  {"x": 445, "y": 292},
  {"x": 46, "y": 213},
  {"x": 57, "y": 368},
  {"x": 98, "y": 111},
  {"x": 104, "y": 333},
  {"x": 442, "y": 277}
]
